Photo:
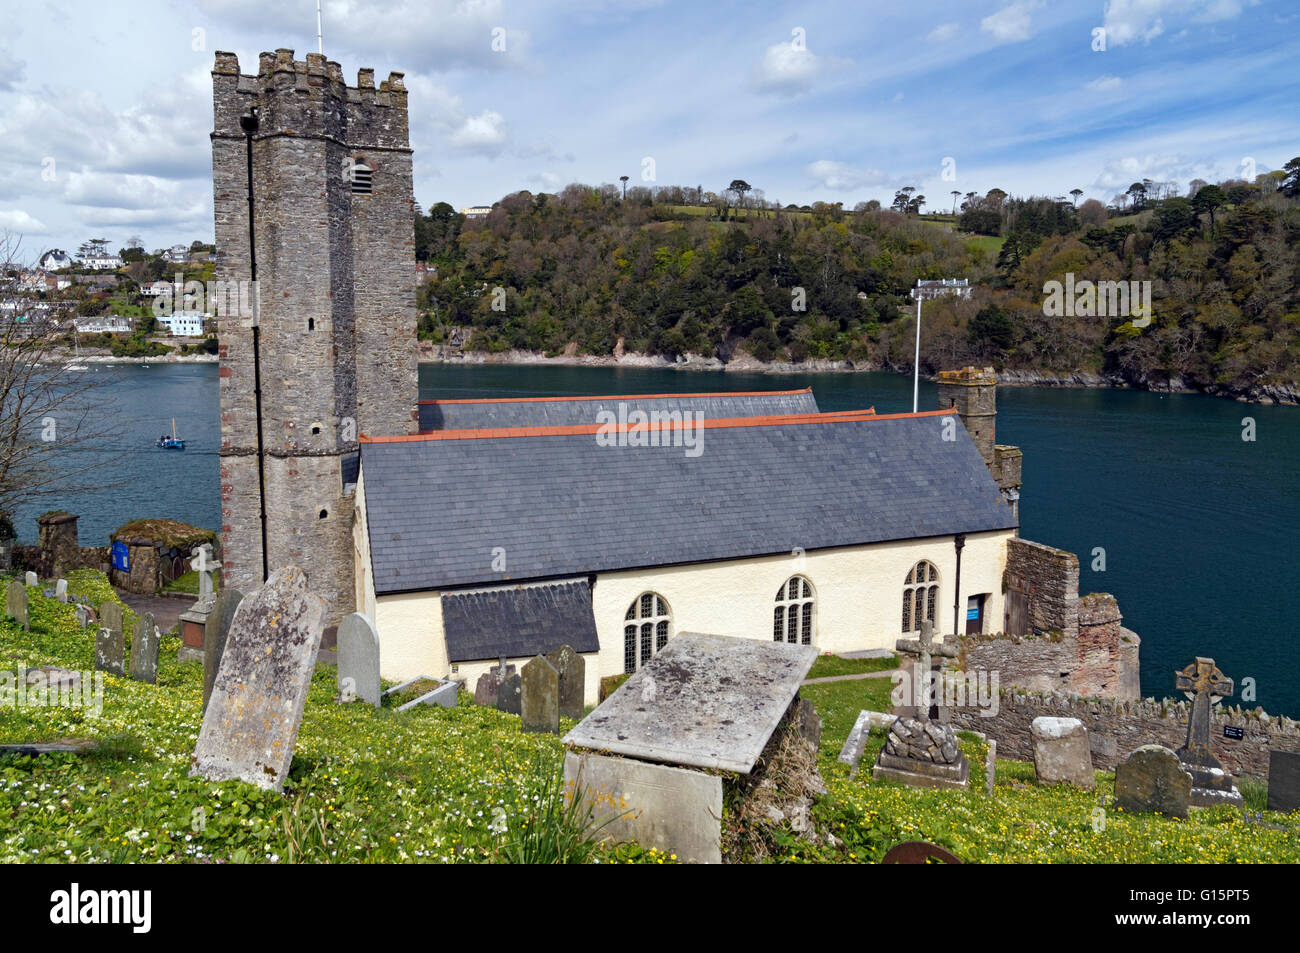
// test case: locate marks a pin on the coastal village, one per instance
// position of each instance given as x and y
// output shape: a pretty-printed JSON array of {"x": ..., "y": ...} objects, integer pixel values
[{"x": 692, "y": 627}]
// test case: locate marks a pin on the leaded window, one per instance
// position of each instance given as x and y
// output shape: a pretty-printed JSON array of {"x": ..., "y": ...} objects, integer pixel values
[
  {"x": 648, "y": 625},
  {"x": 920, "y": 595},
  {"x": 792, "y": 616}
]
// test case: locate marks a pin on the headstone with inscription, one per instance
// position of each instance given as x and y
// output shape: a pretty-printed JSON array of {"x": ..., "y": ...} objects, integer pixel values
[
  {"x": 110, "y": 650},
  {"x": 509, "y": 696},
  {"x": 216, "y": 627},
  {"x": 358, "y": 660},
  {"x": 572, "y": 669},
  {"x": 61, "y": 590},
  {"x": 31, "y": 579},
  {"x": 144, "y": 650},
  {"x": 1204, "y": 684},
  {"x": 16, "y": 603},
  {"x": 1061, "y": 752},
  {"x": 540, "y": 696},
  {"x": 251, "y": 724},
  {"x": 112, "y": 616}
]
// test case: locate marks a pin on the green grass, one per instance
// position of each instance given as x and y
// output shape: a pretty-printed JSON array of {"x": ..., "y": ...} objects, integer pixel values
[
  {"x": 830, "y": 665},
  {"x": 990, "y": 244},
  {"x": 468, "y": 785}
]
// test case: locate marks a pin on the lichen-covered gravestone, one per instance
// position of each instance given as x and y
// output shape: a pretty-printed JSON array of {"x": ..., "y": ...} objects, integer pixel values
[
  {"x": 540, "y": 696},
  {"x": 144, "y": 650},
  {"x": 572, "y": 669},
  {"x": 509, "y": 696},
  {"x": 110, "y": 651},
  {"x": 112, "y": 616},
  {"x": 216, "y": 628},
  {"x": 251, "y": 725},
  {"x": 358, "y": 660},
  {"x": 1151, "y": 781},
  {"x": 1061, "y": 752},
  {"x": 487, "y": 689},
  {"x": 16, "y": 603}
]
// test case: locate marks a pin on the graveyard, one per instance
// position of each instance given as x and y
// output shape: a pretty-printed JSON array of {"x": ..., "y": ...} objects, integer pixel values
[{"x": 467, "y": 784}]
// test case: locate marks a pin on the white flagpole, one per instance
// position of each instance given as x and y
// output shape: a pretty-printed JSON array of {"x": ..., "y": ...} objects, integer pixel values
[
  {"x": 320, "y": 42},
  {"x": 916, "y": 363}
]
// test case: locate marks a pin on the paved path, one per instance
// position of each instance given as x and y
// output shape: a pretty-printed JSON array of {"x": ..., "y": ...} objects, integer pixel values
[
  {"x": 166, "y": 612},
  {"x": 848, "y": 678}
]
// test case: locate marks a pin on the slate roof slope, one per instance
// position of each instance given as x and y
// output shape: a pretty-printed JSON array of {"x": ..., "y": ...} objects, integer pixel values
[
  {"x": 560, "y": 504},
  {"x": 518, "y": 621},
  {"x": 571, "y": 411}
]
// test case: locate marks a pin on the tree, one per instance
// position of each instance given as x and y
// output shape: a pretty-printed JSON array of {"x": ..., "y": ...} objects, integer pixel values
[
  {"x": 903, "y": 199},
  {"x": 1207, "y": 200},
  {"x": 1172, "y": 220},
  {"x": 956, "y": 194},
  {"x": 49, "y": 417},
  {"x": 739, "y": 187},
  {"x": 995, "y": 198},
  {"x": 1138, "y": 193},
  {"x": 1291, "y": 183},
  {"x": 623, "y": 179},
  {"x": 991, "y": 328},
  {"x": 1076, "y": 193}
]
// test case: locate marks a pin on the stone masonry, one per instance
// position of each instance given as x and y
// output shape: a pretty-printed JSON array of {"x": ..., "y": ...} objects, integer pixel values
[
  {"x": 335, "y": 307},
  {"x": 972, "y": 392}
]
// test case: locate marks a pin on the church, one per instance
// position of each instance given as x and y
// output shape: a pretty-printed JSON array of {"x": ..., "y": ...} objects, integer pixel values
[{"x": 470, "y": 530}]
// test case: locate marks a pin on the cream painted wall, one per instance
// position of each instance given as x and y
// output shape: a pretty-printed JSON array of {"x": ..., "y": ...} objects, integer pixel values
[{"x": 858, "y": 590}]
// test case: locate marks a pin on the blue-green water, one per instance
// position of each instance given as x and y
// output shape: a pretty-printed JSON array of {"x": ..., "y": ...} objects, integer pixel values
[{"x": 1199, "y": 527}]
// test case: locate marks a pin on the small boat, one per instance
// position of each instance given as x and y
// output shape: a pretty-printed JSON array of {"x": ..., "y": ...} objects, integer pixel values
[
  {"x": 172, "y": 442},
  {"x": 76, "y": 363}
]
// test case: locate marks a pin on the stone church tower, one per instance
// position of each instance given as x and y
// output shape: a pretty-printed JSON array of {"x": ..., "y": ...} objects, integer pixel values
[{"x": 326, "y": 234}]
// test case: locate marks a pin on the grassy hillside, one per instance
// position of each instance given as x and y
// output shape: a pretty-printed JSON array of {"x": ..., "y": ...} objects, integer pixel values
[{"x": 463, "y": 785}]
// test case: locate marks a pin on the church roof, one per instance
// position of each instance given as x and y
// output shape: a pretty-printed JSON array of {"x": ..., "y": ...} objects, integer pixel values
[
  {"x": 571, "y": 411},
  {"x": 444, "y": 508},
  {"x": 518, "y": 621}
]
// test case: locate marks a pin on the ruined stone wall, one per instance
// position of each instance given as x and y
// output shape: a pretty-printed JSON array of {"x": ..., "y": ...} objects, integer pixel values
[
  {"x": 336, "y": 316},
  {"x": 1050, "y": 577},
  {"x": 1116, "y": 729}
]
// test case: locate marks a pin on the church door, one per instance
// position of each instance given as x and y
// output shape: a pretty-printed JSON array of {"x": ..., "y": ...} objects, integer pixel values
[
  {"x": 1017, "y": 604},
  {"x": 975, "y": 614}
]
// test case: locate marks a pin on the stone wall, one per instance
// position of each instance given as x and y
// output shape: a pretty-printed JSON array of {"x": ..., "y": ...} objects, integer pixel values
[
  {"x": 1050, "y": 577},
  {"x": 1116, "y": 728},
  {"x": 60, "y": 553}
]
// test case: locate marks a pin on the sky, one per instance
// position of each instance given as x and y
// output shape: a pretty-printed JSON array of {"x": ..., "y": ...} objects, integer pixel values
[{"x": 105, "y": 107}]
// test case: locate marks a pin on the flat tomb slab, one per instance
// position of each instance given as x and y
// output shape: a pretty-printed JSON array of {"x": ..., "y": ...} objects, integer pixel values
[
  {"x": 676, "y": 810},
  {"x": 704, "y": 701}
]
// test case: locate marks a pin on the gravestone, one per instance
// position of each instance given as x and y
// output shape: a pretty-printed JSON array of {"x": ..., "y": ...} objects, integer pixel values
[
  {"x": 206, "y": 567},
  {"x": 358, "y": 660},
  {"x": 1152, "y": 780},
  {"x": 1283, "y": 780},
  {"x": 652, "y": 760},
  {"x": 16, "y": 603},
  {"x": 112, "y": 616},
  {"x": 61, "y": 590},
  {"x": 856, "y": 743},
  {"x": 251, "y": 724},
  {"x": 216, "y": 627},
  {"x": 921, "y": 748},
  {"x": 1061, "y": 752},
  {"x": 84, "y": 616},
  {"x": 509, "y": 698},
  {"x": 144, "y": 650},
  {"x": 540, "y": 696},
  {"x": 990, "y": 767},
  {"x": 110, "y": 650},
  {"x": 488, "y": 687},
  {"x": 1204, "y": 684},
  {"x": 572, "y": 668},
  {"x": 30, "y": 579}
]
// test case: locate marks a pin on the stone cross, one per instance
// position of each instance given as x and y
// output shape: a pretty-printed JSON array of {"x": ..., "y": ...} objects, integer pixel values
[
  {"x": 1204, "y": 684},
  {"x": 924, "y": 649},
  {"x": 206, "y": 568}
]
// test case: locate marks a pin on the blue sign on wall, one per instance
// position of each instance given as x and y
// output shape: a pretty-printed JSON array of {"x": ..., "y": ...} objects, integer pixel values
[
  {"x": 972, "y": 614},
  {"x": 121, "y": 557}
]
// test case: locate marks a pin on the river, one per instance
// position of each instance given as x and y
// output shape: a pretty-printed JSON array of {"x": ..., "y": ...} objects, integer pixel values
[{"x": 1197, "y": 525}]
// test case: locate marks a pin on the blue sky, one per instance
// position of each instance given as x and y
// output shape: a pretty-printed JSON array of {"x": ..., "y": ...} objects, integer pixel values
[{"x": 105, "y": 108}]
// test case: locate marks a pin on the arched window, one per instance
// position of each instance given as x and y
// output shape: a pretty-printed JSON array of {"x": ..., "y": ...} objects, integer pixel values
[
  {"x": 648, "y": 624},
  {"x": 792, "y": 617},
  {"x": 920, "y": 595}
]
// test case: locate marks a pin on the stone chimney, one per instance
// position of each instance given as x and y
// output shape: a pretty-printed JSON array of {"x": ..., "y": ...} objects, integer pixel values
[{"x": 973, "y": 393}]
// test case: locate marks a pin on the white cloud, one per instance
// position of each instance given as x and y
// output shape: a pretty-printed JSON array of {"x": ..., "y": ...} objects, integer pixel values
[
  {"x": 841, "y": 177},
  {"x": 484, "y": 134},
  {"x": 1128, "y": 21},
  {"x": 1011, "y": 23},
  {"x": 790, "y": 70},
  {"x": 1119, "y": 174},
  {"x": 1104, "y": 84},
  {"x": 943, "y": 33},
  {"x": 20, "y": 223},
  {"x": 547, "y": 180}
]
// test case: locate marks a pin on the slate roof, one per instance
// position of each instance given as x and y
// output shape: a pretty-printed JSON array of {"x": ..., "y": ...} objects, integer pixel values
[
  {"x": 569, "y": 411},
  {"x": 560, "y": 504},
  {"x": 518, "y": 621}
]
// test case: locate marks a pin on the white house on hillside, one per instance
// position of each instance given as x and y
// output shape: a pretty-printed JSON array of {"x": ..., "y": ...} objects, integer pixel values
[
  {"x": 183, "y": 324},
  {"x": 56, "y": 258},
  {"x": 939, "y": 287}
]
